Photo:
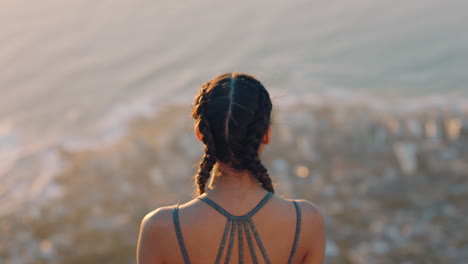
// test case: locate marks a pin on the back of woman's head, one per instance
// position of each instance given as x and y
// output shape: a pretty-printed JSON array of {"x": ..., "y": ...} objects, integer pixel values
[{"x": 232, "y": 113}]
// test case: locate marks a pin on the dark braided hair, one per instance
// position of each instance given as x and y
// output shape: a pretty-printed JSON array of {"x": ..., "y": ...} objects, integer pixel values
[{"x": 232, "y": 112}]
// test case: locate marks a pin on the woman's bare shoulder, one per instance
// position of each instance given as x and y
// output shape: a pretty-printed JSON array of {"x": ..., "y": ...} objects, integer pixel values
[
  {"x": 155, "y": 235},
  {"x": 161, "y": 216},
  {"x": 312, "y": 231},
  {"x": 309, "y": 210},
  {"x": 312, "y": 219},
  {"x": 156, "y": 224}
]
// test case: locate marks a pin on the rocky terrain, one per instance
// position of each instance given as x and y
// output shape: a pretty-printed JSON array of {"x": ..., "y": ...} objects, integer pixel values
[{"x": 392, "y": 185}]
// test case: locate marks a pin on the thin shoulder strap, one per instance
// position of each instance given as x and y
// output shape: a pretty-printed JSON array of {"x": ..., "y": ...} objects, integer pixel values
[
  {"x": 175, "y": 214},
  {"x": 298, "y": 232},
  {"x": 235, "y": 217}
]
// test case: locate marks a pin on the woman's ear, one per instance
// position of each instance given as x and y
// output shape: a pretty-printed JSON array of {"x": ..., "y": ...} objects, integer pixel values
[
  {"x": 267, "y": 136},
  {"x": 198, "y": 134}
]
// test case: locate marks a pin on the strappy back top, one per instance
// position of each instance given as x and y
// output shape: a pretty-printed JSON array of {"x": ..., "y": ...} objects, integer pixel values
[{"x": 244, "y": 226}]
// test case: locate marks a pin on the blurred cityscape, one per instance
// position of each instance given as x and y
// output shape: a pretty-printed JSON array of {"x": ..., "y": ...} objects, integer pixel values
[{"x": 391, "y": 184}]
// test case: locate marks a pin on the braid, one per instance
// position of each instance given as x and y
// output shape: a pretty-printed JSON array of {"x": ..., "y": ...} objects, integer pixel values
[
  {"x": 255, "y": 134},
  {"x": 261, "y": 173},
  {"x": 209, "y": 158}
]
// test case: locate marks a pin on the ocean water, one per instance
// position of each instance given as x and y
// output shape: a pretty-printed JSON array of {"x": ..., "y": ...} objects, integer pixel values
[{"x": 80, "y": 69}]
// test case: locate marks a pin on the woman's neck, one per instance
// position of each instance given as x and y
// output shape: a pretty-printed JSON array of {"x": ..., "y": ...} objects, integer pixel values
[{"x": 232, "y": 183}]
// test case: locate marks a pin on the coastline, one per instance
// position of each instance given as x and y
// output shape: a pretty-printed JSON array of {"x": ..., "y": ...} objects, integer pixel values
[{"x": 362, "y": 164}]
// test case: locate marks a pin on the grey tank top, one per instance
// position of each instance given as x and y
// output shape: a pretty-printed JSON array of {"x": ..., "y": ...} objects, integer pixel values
[{"x": 244, "y": 226}]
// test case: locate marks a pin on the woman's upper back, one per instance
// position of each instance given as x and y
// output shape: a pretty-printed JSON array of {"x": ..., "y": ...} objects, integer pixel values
[
  {"x": 202, "y": 229},
  {"x": 232, "y": 115}
]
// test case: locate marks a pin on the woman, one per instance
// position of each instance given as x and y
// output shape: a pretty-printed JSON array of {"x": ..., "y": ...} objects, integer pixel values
[{"x": 236, "y": 218}]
